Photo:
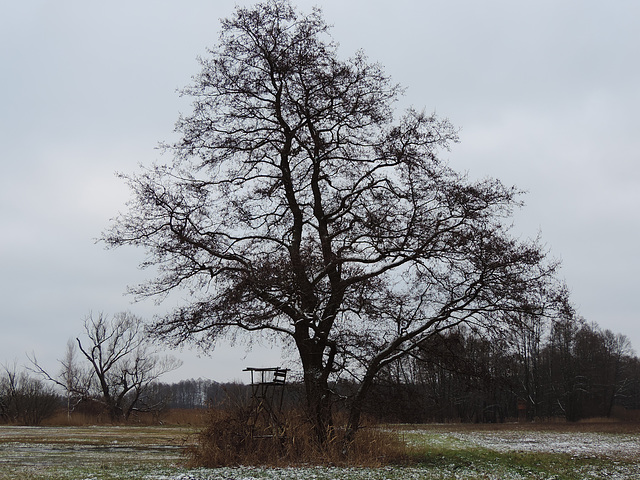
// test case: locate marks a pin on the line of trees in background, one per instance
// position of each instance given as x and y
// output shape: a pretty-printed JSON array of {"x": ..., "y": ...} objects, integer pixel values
[{"x": 567, "y": 369}]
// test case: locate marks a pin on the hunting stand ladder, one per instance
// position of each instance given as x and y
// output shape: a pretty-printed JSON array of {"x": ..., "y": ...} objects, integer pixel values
[{"x": 267, "y": 393}]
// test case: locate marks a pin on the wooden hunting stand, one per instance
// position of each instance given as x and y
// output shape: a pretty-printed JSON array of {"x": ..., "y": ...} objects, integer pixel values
[{"x": 267, "y": 393}]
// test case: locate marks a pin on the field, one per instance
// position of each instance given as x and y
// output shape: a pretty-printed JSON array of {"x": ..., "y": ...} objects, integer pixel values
[{"x": 552, "y": 451}]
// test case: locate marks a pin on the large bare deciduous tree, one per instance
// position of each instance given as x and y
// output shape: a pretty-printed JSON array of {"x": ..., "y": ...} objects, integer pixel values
[{"x": 296, "y": 204}]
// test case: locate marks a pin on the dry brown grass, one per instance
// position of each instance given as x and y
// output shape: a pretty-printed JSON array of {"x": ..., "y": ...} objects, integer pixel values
[
  {"x": 76, "y": 419},
  {"x": 229, "y": 439},
  {"x": 181, "y": 417},
  {"x": 594, "y": 425},
  {"x": 184, "y": 416}
]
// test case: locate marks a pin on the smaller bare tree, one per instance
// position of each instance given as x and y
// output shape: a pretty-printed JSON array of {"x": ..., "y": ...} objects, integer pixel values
[
  {"x": 120, "y": 365},
  {"x": 25, "y": 400},
  {"x": 75, "y": 379}
]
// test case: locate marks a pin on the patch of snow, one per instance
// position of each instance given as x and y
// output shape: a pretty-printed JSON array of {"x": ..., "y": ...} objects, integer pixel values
[{"x": 584, "y": 444}]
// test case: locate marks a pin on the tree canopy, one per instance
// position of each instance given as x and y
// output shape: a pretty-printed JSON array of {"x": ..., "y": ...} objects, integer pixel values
[{"x": 297, "y": 204}]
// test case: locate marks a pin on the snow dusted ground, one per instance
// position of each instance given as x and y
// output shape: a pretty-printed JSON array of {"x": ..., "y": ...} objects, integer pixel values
[
  {"x": 151, "y": 454},
  {"x": 579, "y": 444},
  {"x": 620, "y": 452}
]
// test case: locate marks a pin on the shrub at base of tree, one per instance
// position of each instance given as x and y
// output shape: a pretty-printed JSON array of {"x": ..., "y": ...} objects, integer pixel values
[{"x": 230, "y": 439}]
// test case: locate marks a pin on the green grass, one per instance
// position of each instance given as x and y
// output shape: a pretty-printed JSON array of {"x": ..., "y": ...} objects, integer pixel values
[
  {"x": 455, "y": 458},
  {"x": 153, "y": 453}
]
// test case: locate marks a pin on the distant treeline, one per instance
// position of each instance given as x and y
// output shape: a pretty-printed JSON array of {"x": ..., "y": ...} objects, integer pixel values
[
  {"x": 570, "y": 370},
  {"x": 567, "y": 369}
]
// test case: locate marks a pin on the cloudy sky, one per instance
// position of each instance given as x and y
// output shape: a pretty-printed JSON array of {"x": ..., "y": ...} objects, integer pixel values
[{"x": 546, "y": 95}]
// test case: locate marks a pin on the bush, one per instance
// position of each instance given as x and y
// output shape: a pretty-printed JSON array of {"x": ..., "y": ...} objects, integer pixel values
[
  {"x": 231, "y": 438},
  {"x": 25, "y": 400}
]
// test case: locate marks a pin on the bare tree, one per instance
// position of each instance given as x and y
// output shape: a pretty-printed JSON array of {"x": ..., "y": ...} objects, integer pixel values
[
  {"x": 119, "y": 365},
  {"x": 527, "y": 342},
  {"x": 297, "y": 205},
  {"x": 75, "y": 379},
  {"x": 23, "y": 399},
  {"x": 618, "y": 350}
]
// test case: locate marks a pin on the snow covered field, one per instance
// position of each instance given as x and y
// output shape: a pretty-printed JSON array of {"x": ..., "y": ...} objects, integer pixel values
[
  {"x": 616, "y": 446},
  {"x": 151, "y": 453}
]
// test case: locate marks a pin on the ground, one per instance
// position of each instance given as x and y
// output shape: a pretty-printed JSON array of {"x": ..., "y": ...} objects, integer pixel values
[{"x": 550, "y": 451}]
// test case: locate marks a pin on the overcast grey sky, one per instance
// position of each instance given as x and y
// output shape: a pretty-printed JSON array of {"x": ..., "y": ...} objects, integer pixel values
[{"x": 546, "y": 94}]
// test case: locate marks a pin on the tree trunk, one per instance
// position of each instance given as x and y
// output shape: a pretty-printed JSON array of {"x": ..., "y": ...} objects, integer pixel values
[
  {"x": 318, "y": 393},
  {"x": 319, "y": 404},
  {"x": 115, "y": 412},
  {"x": 355, "y": 410}
]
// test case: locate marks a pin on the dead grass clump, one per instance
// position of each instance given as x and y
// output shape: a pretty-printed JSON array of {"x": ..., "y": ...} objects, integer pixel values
[
  {"x": 195, "y": 417},
  {"x": 76, "y": 419},
  {"x": 185, "y": 416},
  {"x": 230, "y": 439}
]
